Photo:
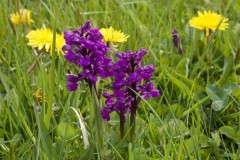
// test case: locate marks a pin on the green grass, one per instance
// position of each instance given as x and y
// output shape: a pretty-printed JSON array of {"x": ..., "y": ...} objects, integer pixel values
[{"x": 196, "y": 117}]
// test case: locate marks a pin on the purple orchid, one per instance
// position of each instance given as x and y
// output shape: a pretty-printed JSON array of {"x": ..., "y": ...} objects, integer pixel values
[
  {"x": 129, "y": 78},
  {"x": 85, "y": 48},
  {"x": 177, "y": 41}
]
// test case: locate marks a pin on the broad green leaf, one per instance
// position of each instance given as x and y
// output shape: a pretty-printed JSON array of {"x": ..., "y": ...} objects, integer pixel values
[
  {"x": 218, "y": 96},
  {"x": 217, "y": 105},
  {"x": 228, "y": 131},
  {"x": 215, "y": 92},
  {"x": 66, "y": 131},
  {"x": 230, "y": 87}
]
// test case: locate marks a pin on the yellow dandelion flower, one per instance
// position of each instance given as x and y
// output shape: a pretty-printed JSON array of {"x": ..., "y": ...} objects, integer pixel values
[
  {"x": 43, "y": 38},
  {"x": 111, "y": 36},
  {"x": 21, "y": 17},
  {"x": 38, "y": 96},
  {"x": 209, "y": 21}
]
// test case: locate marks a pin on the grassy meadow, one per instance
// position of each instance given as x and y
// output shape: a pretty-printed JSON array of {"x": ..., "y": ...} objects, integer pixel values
[{"x": 196, "y": 116}]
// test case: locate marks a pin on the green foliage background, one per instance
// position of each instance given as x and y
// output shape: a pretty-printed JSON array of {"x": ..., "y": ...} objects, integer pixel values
[{"x": 196, "y": 116}]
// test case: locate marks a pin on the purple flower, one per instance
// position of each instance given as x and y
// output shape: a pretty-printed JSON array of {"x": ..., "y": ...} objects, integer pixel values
[
  {"x": 147, "y": 90},
  {"x": 85, "y": 49},
  {"x": 105, "y": 113},
  {"x": 129, "y": 78},
  {"x": 72, "y": 82},
  {"x": 72, "y": 86},
  {"x": 177, "y": 41}
]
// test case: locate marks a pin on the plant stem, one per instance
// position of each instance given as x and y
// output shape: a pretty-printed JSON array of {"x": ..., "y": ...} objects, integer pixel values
[
  {"x": 31, "y": 68},
  {"x": 133, "y": 125},
  {"x": 122, "y": 121},
  {"x": 133, "y": 116}
]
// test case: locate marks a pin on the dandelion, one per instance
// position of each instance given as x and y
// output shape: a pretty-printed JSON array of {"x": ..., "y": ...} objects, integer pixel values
[
  {"x": 21, "y": 17},
  {"x": 209, "y": 21},
  {"x": 110, "y": 35},
  {"x": 43, "y": 39}
]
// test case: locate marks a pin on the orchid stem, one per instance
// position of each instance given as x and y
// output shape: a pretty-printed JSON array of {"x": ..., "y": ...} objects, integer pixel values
[{"x": 122, "y": 121}]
